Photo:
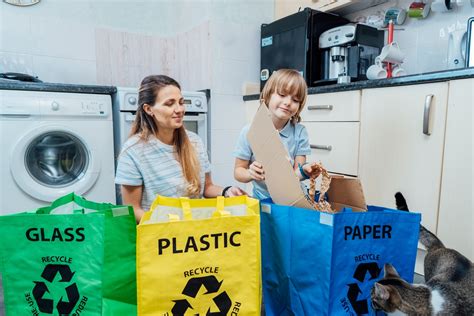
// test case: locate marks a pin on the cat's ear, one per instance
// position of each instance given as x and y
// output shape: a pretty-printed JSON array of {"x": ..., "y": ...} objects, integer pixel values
[
  {"x": 381, "y": 291},
  {"x": 389, "y": 271}
]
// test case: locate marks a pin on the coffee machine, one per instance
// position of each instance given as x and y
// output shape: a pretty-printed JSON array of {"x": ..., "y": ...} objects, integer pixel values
[
  {"x": 292, "y": 42},
  {"x": 348, "y": 51}
]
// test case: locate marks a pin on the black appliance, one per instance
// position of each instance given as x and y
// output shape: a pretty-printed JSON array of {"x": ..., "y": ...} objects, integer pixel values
[
  {"x": 348, "y": 50},
  {"x": 292, "y": 42},
  {"x": 19, "y": 77},
  {"x": 470, "y": 43}
]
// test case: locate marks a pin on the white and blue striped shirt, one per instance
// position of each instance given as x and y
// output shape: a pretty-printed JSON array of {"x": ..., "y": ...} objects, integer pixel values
[{"x": 153, "y": 164}]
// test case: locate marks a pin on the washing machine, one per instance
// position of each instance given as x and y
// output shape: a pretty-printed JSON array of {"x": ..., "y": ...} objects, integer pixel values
[{"x": 53, "y": 144}]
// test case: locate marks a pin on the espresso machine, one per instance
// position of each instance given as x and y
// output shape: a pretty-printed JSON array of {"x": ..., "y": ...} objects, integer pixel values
[{"x": 348, "y": 50}]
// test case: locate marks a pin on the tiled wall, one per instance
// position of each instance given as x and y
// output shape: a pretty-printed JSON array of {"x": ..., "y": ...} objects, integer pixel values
[
  {"x": 235, "y": 33},
  {"x": 424, "y": 41},
  {"x": 124, "y": 58},
  {"x": 203, "y": 44}
]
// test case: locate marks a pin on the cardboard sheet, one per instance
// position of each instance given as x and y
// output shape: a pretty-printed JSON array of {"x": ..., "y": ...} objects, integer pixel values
[{"x": 280, "y": 178}]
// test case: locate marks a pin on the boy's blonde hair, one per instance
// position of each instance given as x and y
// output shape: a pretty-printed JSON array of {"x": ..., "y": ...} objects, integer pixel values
[{"x": 286, "y": 81}]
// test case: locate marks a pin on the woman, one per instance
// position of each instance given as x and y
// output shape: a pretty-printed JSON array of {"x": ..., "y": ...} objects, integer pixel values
[{"x": 161, "y": 156}]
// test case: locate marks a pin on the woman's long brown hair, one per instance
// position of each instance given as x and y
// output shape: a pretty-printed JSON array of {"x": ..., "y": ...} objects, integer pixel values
[{"x": 144, "y": 126}]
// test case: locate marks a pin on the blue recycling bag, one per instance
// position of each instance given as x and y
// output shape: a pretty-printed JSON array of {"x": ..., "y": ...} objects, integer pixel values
[{"x": 315, "y": 263}]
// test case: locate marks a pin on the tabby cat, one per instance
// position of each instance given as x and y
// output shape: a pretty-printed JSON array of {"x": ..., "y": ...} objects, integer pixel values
[{"x": 449, "y": 276}]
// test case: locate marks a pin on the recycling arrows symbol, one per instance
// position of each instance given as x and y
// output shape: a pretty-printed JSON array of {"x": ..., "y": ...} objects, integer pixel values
[
  {"x": 361, "y": 306},
  {"x": 46, "y": 305},
  {"x": 212, "y": 285}
]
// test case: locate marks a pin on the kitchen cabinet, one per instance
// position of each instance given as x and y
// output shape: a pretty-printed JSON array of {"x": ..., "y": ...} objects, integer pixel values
[
  {"x": 401, "y": 146},
  {"x": 332, "y": 121},
  {"x": 456, "y": 209},
  {"x": 287, "y": 7}
]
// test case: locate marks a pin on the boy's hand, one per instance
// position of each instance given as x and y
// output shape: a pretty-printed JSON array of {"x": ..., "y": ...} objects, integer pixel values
[
  {"x": 256, "y": 171},
  {"x": 312, "y": 170}
]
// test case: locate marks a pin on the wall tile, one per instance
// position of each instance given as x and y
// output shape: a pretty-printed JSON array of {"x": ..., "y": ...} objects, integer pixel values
[
  {"x": 64, "y": 70},
  {"x": 228, "y": 76},
  {"x": 227, "y": 111},
  {"x": 15, "y": 28},
  {"x": 222, "y": 145},
  {"x": 236, "y": 41},
  {"x": 14, "y": 62},
  {"x": 103, "y": 58},
  {"x": 62, "y": 37},
  {"x": 223, "y": 175},
  {"x": 424, "y": 41}
]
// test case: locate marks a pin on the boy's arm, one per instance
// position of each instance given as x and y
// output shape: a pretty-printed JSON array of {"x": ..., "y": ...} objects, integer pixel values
[
  {"x": 241, "y": 171},
  {"x": 245, "y": 173},
  {"x": 300, "y": 160}
]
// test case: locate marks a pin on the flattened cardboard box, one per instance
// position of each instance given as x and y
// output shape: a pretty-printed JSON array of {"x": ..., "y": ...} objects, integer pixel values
[{"x": 280, "y": 178}]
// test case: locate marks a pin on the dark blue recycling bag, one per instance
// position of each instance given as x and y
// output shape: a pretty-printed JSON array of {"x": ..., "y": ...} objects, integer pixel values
[{"x": 315, "y": 263}]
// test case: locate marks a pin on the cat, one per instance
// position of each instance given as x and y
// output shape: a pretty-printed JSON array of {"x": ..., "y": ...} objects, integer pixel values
[{"x": 449, "y": 288}]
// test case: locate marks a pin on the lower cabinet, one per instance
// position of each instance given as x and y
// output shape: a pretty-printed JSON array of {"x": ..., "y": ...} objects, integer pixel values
[
  {"x": 401, "y": 148},
  {"x": 336, "y": 145},
  {"x": 456, "y": 209}
]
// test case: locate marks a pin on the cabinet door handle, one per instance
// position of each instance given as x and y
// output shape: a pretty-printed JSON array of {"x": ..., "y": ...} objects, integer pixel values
[
  {"x": 320, "y": 107},
  {"x": 427, "y": 114},
  {"x": 323, "y": 147}
]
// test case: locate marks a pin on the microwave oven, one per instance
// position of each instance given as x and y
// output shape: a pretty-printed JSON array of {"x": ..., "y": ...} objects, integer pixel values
[{"x": 293, "y": 42}]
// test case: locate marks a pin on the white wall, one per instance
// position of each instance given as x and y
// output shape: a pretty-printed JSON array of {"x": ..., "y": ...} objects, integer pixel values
[
  {"x": 235, "y": 33},
  {"x": 425, "y": 41},
  {"x": 117, "y": 42}
]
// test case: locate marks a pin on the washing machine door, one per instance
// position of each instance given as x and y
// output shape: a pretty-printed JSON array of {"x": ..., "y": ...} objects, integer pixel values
[{"x": 51, "y": 161}]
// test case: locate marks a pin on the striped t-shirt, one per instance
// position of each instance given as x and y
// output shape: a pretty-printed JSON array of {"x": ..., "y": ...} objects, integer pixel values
[{"x": 153, "y": 164}]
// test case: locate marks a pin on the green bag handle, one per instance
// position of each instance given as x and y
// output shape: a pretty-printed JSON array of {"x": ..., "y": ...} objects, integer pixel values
[{"x": 84, "y": 205}]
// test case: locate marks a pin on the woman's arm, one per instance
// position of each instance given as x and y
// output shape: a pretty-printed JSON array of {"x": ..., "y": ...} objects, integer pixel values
[
  {"x": 212, "y": 190},
  {"x": 132, "y": 195}
]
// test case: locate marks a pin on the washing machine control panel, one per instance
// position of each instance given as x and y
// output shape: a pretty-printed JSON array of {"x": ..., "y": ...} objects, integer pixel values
[
  {"x": 74, "y": 106},
  {"x": 93, "y": 108}
]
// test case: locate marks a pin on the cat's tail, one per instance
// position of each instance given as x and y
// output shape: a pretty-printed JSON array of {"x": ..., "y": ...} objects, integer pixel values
[{"x": 427, "y": 238}]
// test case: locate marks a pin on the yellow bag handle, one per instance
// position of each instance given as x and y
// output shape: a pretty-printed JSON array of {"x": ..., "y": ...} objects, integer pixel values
[
  {"x": 220, "y": 211},
  {"x": 185, "y": 203},
  {"x": 186, "y": 207}
]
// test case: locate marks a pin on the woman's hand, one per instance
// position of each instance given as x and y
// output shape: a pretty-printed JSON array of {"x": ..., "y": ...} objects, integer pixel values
[
  {"x": 312, "y": 170},
  {"x": 235, "y": 191},
  {"x": 256, "y": 171}
]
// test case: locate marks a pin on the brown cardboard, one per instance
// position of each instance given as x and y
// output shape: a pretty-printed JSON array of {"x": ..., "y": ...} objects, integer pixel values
[
  {"x": 282, "y": 182},
  {"x": 346, "y": 192}
]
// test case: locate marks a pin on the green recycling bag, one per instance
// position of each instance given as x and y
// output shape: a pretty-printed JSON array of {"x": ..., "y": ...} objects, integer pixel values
[{"x": 74, "y": 257}]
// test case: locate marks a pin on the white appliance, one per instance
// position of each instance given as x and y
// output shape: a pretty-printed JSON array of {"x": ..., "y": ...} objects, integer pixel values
[
  {"x": 456, "y": 49},
  {"x": 53, "y": 144},
  {"x": 125, "y": 107}
]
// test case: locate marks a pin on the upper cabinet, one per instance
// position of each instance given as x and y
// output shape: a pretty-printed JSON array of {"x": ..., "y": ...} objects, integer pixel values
[
  {"x": 287, "y": 7},
  {"x": 456, "y": 210},
  {"x": 401, "y": 146}
]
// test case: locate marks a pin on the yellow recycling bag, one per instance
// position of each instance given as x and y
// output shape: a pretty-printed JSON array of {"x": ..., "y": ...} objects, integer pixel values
[{"x": 199, "y": 257}]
